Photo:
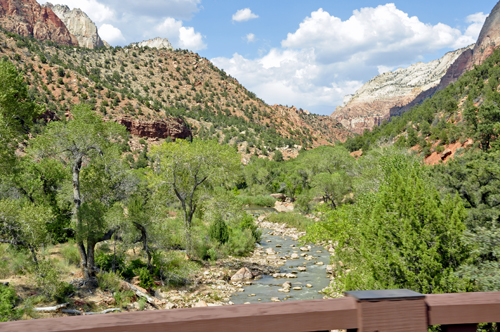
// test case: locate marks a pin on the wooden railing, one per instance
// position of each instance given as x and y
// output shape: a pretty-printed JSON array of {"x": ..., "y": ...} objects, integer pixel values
[{"x": 457, "y": 312}]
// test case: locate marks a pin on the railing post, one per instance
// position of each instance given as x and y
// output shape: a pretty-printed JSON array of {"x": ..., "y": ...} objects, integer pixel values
[{"x": 390, "y": 310}]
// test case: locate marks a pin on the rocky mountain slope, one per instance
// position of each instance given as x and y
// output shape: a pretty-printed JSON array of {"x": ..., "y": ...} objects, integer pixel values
[
  {"x": 28, "y": 18},
  {"x": 488, "y": 41},
  {"x": 79, "y": 24},
  {"x": 157, "y": 42},
  {"x": 393, "y": 93},
  {"x": 160, "y": 94}
]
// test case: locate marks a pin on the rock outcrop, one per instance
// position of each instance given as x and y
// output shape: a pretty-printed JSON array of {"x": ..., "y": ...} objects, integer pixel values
[
  {"x": 172, "y": 127},
  {"x": 393, "y": 93},
  {"x": 79, "y": 24},
  {"x": 28, "y": 18},
  {"x": 157, "y": 42},
  {"x": 487, "y": 42}
]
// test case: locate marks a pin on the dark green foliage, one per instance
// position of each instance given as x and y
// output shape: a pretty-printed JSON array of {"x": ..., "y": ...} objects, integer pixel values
[
  {"x": 145, "y": 279},
  {"x": 278, "y": 156},
  {"x": 219, "y": 231},
  {"x": 8, "y": 299}
]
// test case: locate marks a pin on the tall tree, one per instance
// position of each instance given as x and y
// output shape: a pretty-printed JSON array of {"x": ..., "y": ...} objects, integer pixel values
[
  {"x": 85, "y": 141},
  {"x": 190, "y": 171}
]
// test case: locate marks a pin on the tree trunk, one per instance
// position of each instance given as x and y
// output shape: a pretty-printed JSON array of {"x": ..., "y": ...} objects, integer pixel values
[{"x": 89, "y": 270}]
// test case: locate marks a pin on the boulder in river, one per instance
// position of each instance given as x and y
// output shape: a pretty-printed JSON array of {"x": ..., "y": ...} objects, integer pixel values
[
  {"x": 294, "y": 256},
  {"x": 243, "y": 274}
]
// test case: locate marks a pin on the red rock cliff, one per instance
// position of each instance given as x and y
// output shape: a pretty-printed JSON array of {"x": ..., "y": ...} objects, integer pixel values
[
  {"x": 487, "y": 42},
  {"x": 28, "y": 18},
  {"x": 173, "y": 127}
]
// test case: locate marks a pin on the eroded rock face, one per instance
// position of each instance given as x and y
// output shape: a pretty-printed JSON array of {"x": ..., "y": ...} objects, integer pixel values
[
  {"x": 393, "y": 93},
  {"x": 171, "y": 127},
  {"x": 28, "y": 18},
  {"x": 487, "y": 42},
  {"x": 79, "y": 24},
  {"x": 157, "y": 42}
]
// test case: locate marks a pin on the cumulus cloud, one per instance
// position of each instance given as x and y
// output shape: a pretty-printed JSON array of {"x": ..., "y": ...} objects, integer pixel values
[
  {"x": 243, "y": 15},
  {"x": 180, "y": 36},
  {"x": 327, "y": 58},
  {"x": 250, "y": 38},
  {"x": 111, "y": 34}
]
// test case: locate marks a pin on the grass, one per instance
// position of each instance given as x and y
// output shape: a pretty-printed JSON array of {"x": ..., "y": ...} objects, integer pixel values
[
  {"x": 291, "y": 219},
  {"x": 260, "y": 200},
  {"x": 70, "y": 253}
]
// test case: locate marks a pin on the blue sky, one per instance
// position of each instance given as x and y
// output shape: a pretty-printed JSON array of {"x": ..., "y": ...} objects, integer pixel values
[{"x": 303, "y": 53}]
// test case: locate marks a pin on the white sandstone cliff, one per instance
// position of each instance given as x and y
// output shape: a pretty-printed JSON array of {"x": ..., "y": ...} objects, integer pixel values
[
  {"x": 80, "y": 25},
  {"x": 154, "y": 43},
  {"x": 393, "y": 93}
]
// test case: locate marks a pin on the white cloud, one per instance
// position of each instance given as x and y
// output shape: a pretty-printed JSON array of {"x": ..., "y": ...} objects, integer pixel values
[
  {"x": 327, "y": 58},
  {"x": 111, "y": 34},
  {"x": 250, "y": 38},
  {"x": 243, "y": 15},
  {"x": 180, "y": 36}
]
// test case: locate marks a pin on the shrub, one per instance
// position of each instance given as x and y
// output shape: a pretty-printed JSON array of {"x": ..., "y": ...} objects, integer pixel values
[
  {"x": 291, "y": 219},
  {"x": 248, "y": 223},
  {"x": 109, "y": 281},
  {"x": 49, "y": 282},
  {"x": 260, "y": 200},
  {"x": 145, "y": 278},
  {"x": 219, "y": 231},
  {"x": 241, "y": 242},
  {"x": 110, "y": 262},
  {"x": 70, "y": 253},
  {"x": 7, "y": 304}
]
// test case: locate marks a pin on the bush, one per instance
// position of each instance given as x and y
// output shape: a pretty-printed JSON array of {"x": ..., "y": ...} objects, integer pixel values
[
  {"x": 109, "y": 281},
  {"x": 260, "y": 200},
  {"x": 110, "y": 262},
  {"x": 7, "y": 304},
  {"x": 219, "y": 231},
  {"x": 49, "y": 282},
  {"x": 248, "y": 223},
  {"x": 241, "y": 242},
  {"x": 291, "y": 219},
  {"x": 70, "y": 253},
  {"x": 145, "y": 278}
]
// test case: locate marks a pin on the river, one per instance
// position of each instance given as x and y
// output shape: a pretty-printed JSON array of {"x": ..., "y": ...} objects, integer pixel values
[{"x": 269, "y": 288}]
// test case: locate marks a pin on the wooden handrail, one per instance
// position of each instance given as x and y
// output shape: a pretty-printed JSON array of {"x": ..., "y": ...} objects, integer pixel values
[
  {"x": 291, "y": 316},
  {"x": 316, "y": 315},
  {"x": 463, "y": 308}
]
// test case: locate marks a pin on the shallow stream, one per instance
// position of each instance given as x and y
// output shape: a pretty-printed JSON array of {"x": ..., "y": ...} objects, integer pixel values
[{"x": 262, "y": 290}]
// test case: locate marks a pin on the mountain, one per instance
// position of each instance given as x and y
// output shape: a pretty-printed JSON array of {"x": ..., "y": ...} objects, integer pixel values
[
  {"x": 154, "y": 43},
  {"x": 393, "y": 93},
  {"x": 79, "y": 24},
  {"x": 160, "y": 94},
  {"x": 488, "y": 41},
  {"x": 27, "y": 18}
]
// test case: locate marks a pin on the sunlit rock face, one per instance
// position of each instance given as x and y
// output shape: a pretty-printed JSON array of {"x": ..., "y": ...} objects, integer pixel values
[
  {"x": 157, "y": 42},
  {"x": 393, "y": 93},
  {"x": 488, "y": 41},
  {"x": 79, "y": 24},
  {"x": 27, "y": 18}
]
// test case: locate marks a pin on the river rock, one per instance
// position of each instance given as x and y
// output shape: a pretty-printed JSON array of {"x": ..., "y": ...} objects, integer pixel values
[
  {"x": 329, "y": 269},
  {"x": 200, "y": 304},
  {"x": 319, "y": 263},
  {"x": 291, "y": 275},
  {"x": 243, "y": 274},
  {"x": 297, "y": 288},
  {"x": 294, "y": 256},
  {"x": 309, "y": 286},
  {"x": 287, "y": 285},
  {"x": 270, "y": 251},
  {"x": 302, "y": 269},
  {"x": 304, "y": 249},
  {"x": 275, "y": 299}
]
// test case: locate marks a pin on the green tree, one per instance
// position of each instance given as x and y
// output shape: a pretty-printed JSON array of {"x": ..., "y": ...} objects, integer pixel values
[
  {"x": 190, "y": 172},
  {"x": 85, "y": 141},
  {"x": 17, "y": 113},
  {"x": 24, "y": 225},
  {"x": 411, "y": 238}
]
